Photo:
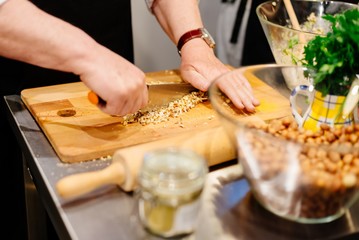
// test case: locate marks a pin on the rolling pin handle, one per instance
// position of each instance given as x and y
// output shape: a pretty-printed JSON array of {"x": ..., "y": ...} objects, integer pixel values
[{"x": 78, "y": 184}]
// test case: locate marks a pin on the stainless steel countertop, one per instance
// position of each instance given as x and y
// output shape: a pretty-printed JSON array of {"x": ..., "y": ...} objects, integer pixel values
[{"x": 228, "y": 209}]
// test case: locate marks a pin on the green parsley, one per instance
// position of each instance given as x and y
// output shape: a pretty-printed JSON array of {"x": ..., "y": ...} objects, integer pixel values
[{"x": 335, "y": 56}]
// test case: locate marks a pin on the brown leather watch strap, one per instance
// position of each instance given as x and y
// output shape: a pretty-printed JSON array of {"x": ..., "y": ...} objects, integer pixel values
[{"x": 196, "y": 33}]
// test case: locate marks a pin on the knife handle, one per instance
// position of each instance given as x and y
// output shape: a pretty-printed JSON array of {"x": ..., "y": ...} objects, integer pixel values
[{"x": 95, "y": 99}]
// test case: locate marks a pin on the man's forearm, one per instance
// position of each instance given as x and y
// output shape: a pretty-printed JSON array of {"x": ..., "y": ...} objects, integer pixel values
[
  {"x": 33, "y": 36},
  {"x": 177, "y": 16}
]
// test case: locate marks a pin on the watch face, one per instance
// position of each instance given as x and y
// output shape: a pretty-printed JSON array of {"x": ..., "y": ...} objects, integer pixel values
[{"x": 208, "y": 38}]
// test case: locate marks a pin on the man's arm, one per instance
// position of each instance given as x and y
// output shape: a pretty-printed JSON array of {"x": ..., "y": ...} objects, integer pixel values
[
  {"x": 38, "y": 38},
  {"x": 199, "y": 65},
  {"x": 31, "y": 35},
  {"x": 177, "y": 16}
]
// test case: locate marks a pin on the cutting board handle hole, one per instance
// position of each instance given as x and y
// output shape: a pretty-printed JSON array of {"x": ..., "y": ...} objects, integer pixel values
[{"x": 66, "y": 113}]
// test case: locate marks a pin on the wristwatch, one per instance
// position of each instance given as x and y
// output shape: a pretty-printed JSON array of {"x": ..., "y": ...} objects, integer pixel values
[{"x": 196, "y": 33}]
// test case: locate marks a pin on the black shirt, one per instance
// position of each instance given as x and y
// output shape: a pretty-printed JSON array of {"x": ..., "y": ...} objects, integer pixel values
[{"x": 107, "y": 21}]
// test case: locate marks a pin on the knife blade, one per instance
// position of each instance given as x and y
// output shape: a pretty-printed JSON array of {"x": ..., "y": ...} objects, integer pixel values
[{"x": 160, "y": 94}]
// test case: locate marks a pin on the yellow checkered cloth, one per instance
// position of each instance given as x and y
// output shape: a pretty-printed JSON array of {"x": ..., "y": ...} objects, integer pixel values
[{"x": 326, "y": 110}]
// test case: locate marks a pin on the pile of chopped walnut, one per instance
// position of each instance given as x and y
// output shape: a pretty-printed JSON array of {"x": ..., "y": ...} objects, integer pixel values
[{"x": 162, "y": 114}]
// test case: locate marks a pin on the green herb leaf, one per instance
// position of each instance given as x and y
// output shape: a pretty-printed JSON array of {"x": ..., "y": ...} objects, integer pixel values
[{"x": 333, "y": 57}]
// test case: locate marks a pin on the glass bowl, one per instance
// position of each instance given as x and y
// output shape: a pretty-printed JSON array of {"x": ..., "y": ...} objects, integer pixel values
[
  {"x": 303, "y": 176},
  {"x": 286, "y": 43}
]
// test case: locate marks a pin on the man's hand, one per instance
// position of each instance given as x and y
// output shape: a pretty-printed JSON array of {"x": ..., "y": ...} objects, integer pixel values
[
  {"x": 200, "y": 67},
  {"x": 118, "y": 82}
]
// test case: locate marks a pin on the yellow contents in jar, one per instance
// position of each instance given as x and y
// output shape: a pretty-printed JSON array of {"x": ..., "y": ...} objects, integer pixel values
[
  {"x": 161, "y": 211},
  {"x": 160, "y": 218},
  {"x": 171, "y": 182}
]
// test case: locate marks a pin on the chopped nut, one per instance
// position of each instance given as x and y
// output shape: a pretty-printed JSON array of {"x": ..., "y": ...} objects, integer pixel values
[{"x": 163, "y": 114}]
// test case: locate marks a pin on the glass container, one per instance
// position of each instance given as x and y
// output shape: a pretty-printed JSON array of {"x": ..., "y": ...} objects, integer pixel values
[
  {"x": 287, "y": 44},
  {"x": 171, "y": 182},
  {"x": 303, "y": 176}
]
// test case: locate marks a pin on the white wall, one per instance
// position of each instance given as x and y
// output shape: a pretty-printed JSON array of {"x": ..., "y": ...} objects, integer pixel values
[{"x": 153, "y": 49}]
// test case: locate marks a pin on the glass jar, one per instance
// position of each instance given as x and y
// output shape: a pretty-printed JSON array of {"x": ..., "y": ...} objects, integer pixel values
[{"x": 170, "y": 184}]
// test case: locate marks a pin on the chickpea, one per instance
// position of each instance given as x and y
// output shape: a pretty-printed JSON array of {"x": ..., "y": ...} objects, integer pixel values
[
  {"x": 329, "y": 161},
  {"x": 334, "y": 156},
  {"x": 348, "y": 158}
]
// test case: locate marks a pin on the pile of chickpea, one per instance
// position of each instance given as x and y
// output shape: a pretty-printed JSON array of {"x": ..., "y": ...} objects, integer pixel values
[{"x": 328, "y": 164}]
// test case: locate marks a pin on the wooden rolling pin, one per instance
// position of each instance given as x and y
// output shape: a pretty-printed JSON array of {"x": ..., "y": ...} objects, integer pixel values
[{"x": 213, "y": 144}]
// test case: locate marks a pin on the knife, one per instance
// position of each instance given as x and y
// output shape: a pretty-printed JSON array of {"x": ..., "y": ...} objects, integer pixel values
[{"x": 160, "y": 94}]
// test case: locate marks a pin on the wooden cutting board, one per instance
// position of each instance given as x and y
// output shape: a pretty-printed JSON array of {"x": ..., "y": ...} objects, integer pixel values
[{"x": 79, "y": 131}]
